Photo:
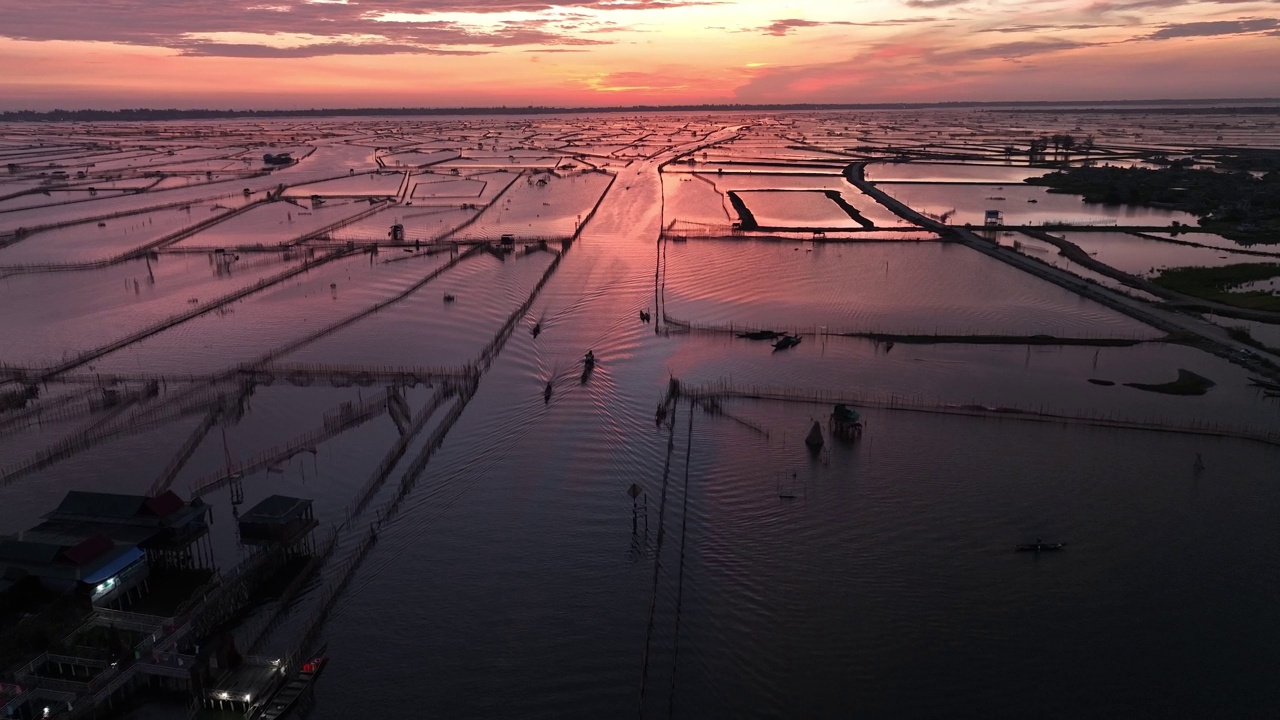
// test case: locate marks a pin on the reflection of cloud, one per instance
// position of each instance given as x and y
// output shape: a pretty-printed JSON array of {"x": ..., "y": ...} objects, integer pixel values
[
  {"x": 934, "y": 3},
  {"x": 1214, "y": 28}
]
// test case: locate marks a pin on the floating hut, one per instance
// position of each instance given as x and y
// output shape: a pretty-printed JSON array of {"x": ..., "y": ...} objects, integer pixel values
[
  {"x": 845, "y": 423},
  {"x": 279, "y": 520}
]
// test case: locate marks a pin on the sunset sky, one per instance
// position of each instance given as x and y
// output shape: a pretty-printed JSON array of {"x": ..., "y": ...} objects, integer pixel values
[{"x": 359, "y": 53}]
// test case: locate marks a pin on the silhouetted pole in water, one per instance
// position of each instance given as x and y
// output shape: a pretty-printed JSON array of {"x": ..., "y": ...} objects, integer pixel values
[{"x": 634, "y": 492}]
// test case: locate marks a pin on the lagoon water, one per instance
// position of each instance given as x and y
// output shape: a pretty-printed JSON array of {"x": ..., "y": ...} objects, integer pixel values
[{"x": 516, "y": 579}]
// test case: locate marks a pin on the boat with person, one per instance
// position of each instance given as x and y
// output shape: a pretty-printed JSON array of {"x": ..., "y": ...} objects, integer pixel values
[
  {"x": 786, "y": 341},
  {"x": 1265, "y": 384}
]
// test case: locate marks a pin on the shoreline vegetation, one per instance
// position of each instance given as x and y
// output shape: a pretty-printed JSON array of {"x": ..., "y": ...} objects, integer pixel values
[
  {"x": 1240, "y": 333},
  {"x": 1238, "y": 106},
  {"x": 1216, "y": 283},
  {"x": 1233, "y": 203}
]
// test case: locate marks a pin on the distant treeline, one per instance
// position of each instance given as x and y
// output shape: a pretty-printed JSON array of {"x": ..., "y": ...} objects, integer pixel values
[{"x": 1255, "y": 105}]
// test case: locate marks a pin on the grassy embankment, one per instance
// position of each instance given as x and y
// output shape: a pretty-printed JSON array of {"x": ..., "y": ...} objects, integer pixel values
[
  {"x": 1216, "y": 283},
  {"x": 853, "y": 212}
]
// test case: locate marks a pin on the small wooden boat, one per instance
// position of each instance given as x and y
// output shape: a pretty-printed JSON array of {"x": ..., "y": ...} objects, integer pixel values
[
  {"x": 537, "y": 328},
  {"x": 546, "y": 394},
  {"x": 785, "y": 342},
  {"x": 296, "y": 692},
  {"x": 450, "y": 297},
  {"x": 1038, "y": 547},
  {"x": 588, "y": 364},
  {"x": 1265, "y": 384}
]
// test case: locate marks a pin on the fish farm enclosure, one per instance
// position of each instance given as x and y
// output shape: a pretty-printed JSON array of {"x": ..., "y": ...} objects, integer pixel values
[{"x": 702, "y": 415}]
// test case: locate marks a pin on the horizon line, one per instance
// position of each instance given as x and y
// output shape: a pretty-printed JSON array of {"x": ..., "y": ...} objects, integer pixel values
[{"x": 685, "y": 107}]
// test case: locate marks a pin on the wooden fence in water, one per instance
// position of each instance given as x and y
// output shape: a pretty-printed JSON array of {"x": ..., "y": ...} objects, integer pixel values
[
  {"x": 917, "y": 335},
  {"x": 1043, "y": 414},
  {"x": 336, "y": 422},
  {"x": 132, "y": 254},
  {"x": 182, "y": 317}
]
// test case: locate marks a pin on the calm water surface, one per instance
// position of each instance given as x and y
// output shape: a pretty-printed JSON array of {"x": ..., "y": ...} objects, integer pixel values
[{"x": 518, "y": 580}]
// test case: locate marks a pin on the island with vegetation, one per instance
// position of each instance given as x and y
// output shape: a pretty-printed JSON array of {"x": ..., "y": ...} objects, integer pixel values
[{"x": 1239, "y": 200}]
